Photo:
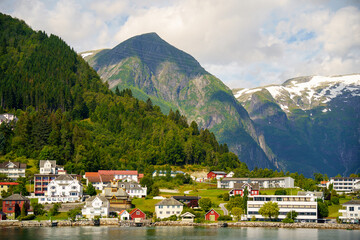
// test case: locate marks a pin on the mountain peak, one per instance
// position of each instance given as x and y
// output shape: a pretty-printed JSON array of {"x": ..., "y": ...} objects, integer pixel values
[{"x": 152, "y": 50}]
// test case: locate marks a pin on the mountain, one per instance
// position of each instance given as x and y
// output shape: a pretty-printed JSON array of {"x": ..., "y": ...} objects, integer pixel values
[
  {"x": 65, "y": 112},
  {"x": 310, "y": 123},
  {"x": 173, "y": 79}
]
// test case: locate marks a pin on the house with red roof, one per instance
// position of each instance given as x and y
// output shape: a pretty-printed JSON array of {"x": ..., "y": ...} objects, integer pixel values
[
  {"x": 124, "y": 215},
  {"x": 131, "y": 175},
  {"x": 212, "y": 215},
  {"x": 137, "y": 215}
]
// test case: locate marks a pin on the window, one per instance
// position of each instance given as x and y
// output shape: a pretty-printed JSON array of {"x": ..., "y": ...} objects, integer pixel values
[
  {"x": 138, "y": 213},
  {"x": 351, "y": 209}
]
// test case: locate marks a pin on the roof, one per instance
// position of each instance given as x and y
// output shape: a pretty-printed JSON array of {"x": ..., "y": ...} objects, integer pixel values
[
  {"x": 52, "y": 162},
  {"x": 254, "y": 186},
  {"x": 93, "y": 177},
  {"x": 187, "y": 214},
  {"x": 169, "y": 202},
  {"x": 91, "y": 199},
  {"x": 64, "y": 177},
  {"x": 16, "y": 197},
  {"x": 134, "y": 210},
  {"x": 308, "y": 193},
  {"x": 345, "y": 178},
  {"x": 218, "y": 172},
  {"x": 17, "y": 164},
  {"x": 118, "y": 172},
  {"x": 9, "y": 183},
  {"x": 186, "y": 197},
  {"x": 120, "y": 193},
  {"x": 253, "y": 179},
  {"x": 123, "y": 212},
  {"x": 106, "y": 178},
  {"x": 352, "y": 202},
  {"x": 212, "y": 210}
]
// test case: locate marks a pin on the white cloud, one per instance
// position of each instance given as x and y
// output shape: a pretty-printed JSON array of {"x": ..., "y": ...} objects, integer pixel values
[{"x": 244, "y": 43}]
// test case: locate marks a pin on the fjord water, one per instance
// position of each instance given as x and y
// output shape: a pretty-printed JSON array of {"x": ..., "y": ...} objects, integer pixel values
[{"x": 174, "y": 233}]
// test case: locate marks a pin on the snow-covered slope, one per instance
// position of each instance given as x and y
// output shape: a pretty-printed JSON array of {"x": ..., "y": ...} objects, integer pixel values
[{"x": 306, "y": 92}]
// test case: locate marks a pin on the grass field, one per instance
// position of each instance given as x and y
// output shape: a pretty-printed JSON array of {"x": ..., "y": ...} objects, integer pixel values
[
  {"x": 334, "y": 209},
  {"x": 145, "y": 204},
  {"x": 271, "y": 191},
  {"x": 60, "y": 216}
]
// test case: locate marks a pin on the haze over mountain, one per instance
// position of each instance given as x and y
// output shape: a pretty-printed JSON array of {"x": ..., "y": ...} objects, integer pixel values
[
  {"x": 310, "y": 123},
  {"x": 171, "y": 78}
]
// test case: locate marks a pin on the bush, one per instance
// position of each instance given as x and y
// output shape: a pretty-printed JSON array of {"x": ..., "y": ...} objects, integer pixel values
[
  {"x": 224, "y": 218},
  {"x": 226, "y": 196},
  {"x": 280, "y": 192},
  {"x": 287, "y": 220},
  {"x": 335, "y": 200},
  {"x": 253, "y": 218},
  {"x": 28, "y": 217}
]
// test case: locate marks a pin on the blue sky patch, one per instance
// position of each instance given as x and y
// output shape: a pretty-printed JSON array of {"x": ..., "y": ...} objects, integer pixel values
[{"x": 301, "y": 36}]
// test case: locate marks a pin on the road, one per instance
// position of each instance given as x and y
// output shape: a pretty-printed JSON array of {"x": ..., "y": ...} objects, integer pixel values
[{"x": 223, "y": 208}]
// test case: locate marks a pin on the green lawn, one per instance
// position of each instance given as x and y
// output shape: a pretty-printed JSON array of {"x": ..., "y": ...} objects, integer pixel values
[
  {"x": 60, "y": 216},
  {"x": 145, "y": 204},
  {"x": 334, "y": 209},
  {"x": 271, "y": 191}
]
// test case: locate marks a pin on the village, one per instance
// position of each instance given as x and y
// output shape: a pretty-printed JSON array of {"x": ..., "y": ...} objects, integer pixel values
[{"x": 213, "y": 197}]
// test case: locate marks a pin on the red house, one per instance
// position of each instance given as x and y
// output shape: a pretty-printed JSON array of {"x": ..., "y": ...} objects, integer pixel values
[
  {"x": 137, "y": 215},
  {"x": 12, "y": 205},
  {"x": 239, "y": 188},
  {"x": 216, "y": 174},
  {"x": 212, "y": 215}
]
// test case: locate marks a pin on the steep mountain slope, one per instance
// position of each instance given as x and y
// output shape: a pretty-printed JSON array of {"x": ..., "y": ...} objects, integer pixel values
[
  {"x": 310, "y": 122},
  {"x": 172, "y": 78},
  {"x": 65, "y": 112}
]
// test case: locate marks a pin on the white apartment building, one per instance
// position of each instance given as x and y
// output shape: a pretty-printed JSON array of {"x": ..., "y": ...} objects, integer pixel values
[
  {"x": 134, "y": 189},
  {"x": 351, "y": 213},
  {"x": 168, "y": 207},
  {"x": 277, "y": 182},
  {"x": 13, "y": 170},
  {"x": 63, "y": 188},
  {"x": 344, "y": 184},
  {"x": 129, "y": 175},
  {"x": 96, "y": 206},
  {"x": 305, "y": 206}
]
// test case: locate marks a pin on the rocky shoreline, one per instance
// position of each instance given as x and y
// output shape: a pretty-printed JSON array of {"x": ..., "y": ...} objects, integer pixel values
[{"x": 115, "y": 222}]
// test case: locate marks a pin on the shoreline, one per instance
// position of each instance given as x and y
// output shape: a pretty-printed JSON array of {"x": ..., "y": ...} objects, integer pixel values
[{"x": 115, "y": 222}]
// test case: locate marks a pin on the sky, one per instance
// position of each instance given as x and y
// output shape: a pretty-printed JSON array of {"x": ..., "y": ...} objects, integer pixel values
[{"x": 243, "y": 43}]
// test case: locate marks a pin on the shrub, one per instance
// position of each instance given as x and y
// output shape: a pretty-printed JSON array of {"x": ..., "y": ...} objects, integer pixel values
[
  {"x": 28, "y": 217},
  {"x": 280, "y": 192},
  {"x": 224, "y": 218},
  {"x": 226, "y": 196},
  {"x": 253, "y": 218},
  {"x": 287, "y": 220},
  {"x": 335, "y": 200}
]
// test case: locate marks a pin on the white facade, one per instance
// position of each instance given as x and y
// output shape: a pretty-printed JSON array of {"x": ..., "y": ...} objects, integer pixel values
[
  {"x": 163, "y": 173},
  {"x": 305, "y": 206},
  {"x": 13, "y": 170},
  {"x": 124, "y": 215},
  {"x": 7, "y": 117},
  {"x": 63, "y": 189},
  {"x": 279, "y": 182},
  {"x": 351, "y": 213},
  {"x": 134, "y": 189},
  {"x": 130, "y": 176},
  {"x": 96, "y": 206},
  {"x": 344, "y": 184},
  {"x": 168, "y": 207}
]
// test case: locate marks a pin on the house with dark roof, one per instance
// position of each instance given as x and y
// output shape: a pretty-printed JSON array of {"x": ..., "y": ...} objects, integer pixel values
[
  {"x": 13, "y": 205},
  {"x": 239, "y": 188},
  {"x": 168, "y": 207},
  {"x": 96, "y": 206},
  {"x": 49, "y": 167},
  {"x": 351, "y": 213},
  {"x": 190, "y": 201},
  {"x": 133, "y": 188},
  {"x": 119, "y": 199},
  {"x": 13, "y": 170}
]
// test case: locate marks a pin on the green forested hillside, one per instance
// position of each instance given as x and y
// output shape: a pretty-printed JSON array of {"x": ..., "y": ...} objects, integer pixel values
[{"x": 65, "y": 113}]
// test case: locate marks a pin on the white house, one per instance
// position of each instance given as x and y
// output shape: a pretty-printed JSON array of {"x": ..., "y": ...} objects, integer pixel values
[
  {"x": 49, "y": 167},
  {"x": 121, "y": 174},
  {"x": 161, "y": 173},
  {"x": 124, "y": 215},
  {"x": 351, "y": 213},
  {"x": 7, "y": 117},
  {"x": 187, "y": 217},
  {"x": 168, "y": 207},
  {"x": 344, "y": 184},
  {"x": 13, "y": 170},
  {"x": 278, "y": 182},
  {"x": 63, "y": 188},
  {"x": 96, "y": 206},
  {"x": 305, "y": 206},
  {"x": 134, "y": 189}
]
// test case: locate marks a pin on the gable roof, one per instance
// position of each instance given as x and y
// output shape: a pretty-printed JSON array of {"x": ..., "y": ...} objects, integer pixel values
[
  {"x": 93, "y": 177},
  {"x": 169, "y": 202},
  {"x": 17, "y": 164},
  {"x": 210, "y": 212},
  {"x": 16, "y": 197},
  {"x": 179, "y": 198},
  {"x": 352, "y": 202},
  {"x": 64, "y": 177},
  {"x": 124, "y": 212},
  {"x": 91, "y": 199},
  {"x": 253, "y": 186},
  {"x": 118, "y": 172},
  {"x": 134, "y": 210},
  {"x": 52, "y": 162},
  {"x": 187, "y": 214}
]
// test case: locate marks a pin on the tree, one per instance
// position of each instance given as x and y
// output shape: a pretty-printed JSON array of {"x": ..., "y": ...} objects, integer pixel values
[
  {"x": 292, "y": 215},
  {"x": 205, "y": 204},
  {"x": 323, "y": 210},
  {"x": 90, "y": 190},
  {"x": 55, "y": 209},
  {"x": 237, "y": 212},
  {"x": 269, "y": 210},
  {"x": 21, "y": 188},
  {"x": 38, "y": 208},
  {"x": 236, "y": 201},
  {"x": 280, "y": 192},
  {"x": 73, "y": 212}
]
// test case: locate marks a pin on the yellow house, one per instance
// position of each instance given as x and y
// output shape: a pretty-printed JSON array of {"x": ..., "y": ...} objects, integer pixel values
[{"x": 4, "y": 186}]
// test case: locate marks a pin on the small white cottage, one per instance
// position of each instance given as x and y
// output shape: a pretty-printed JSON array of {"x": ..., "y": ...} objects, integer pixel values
[
  {"x": 124, "y": 215},
  {"x": 96, "y": 206}
]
